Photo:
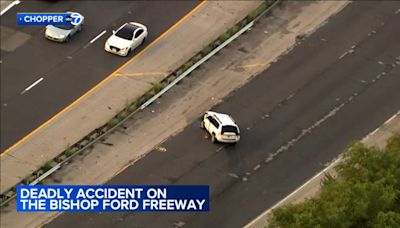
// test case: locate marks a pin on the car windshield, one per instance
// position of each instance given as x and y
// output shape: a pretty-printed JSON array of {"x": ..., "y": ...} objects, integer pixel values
[
  {"x": 65, "y": 27},
  {"x": 126, "y": 32},
  {"x": 228, "y": 128}
]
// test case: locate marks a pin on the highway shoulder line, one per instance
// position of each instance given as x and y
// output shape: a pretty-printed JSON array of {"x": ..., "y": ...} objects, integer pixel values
[
  {"x": 61, "y": 130},
  {"x": 311, "y": 187},
  {"x": 103, "y": 81},
  {"x": 205, "y": 88}
]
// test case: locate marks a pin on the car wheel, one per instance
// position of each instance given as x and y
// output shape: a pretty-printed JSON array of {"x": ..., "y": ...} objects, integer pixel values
[
  {"x": 144, "y": 39},
  {"x": 67, "y": 39},
  {"x": 213, "y": 139},
  {"x": 202, "y": 124}
]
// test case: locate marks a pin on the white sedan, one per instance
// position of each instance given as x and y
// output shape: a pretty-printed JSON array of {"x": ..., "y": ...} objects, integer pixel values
[{"x": 128, "y": 37}]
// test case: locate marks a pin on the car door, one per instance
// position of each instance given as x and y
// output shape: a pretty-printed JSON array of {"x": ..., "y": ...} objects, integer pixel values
[
  {"x": 206, "y": 121},
  {"x": 133, "y": 43},
  {"x": 213, "y": 126},
  {"x": 137, "y": 38}
]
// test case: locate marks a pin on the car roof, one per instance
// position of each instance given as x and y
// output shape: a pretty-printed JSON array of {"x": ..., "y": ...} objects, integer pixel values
[
  {"x": 225, "y": 119},
  {"x": 130, "y": 27},
  {"x": 126, "y": 31}
]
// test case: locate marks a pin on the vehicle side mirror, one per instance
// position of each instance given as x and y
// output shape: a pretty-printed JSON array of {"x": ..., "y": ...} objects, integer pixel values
[{"x": 113, "y": 31}]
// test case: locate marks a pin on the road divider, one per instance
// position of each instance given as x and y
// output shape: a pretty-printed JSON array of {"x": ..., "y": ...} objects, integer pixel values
[{"x": 144, "y": 101}]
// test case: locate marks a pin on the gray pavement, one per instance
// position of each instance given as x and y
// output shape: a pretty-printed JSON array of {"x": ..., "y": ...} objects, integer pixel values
[
  {"x": 378, "y": 138},
  {"x": 206, "y": 87},
  {"x": 295, "y": 117},
  {"x": 6, "y": 4},
  {"x": 69, "y": 69},
  {"x": 97, "y": 106}
]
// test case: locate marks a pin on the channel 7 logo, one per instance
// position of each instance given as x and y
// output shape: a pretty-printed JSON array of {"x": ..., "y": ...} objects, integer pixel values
[{"x": 74, "y": 18}]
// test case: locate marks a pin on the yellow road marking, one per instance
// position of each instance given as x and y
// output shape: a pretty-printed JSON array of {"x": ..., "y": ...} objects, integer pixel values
[
  {"x": 254, "y": 65},
  {"x": 104, "y": 80},
  {"x": 142, "y": 74}
]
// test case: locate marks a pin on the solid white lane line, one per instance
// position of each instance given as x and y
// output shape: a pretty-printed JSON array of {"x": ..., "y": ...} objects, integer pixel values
[
  {"x": 98, "y": 36},
  {"x": 31, "y": 86},
  {"x": 391, "y": 118},
  {"x": 329, "y": 167},
  {"x": 16, "y": 2}
]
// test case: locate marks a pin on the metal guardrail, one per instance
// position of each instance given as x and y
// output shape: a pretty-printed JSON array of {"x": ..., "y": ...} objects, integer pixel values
[
  {"x": 148, "y": 102},
  {"x": 205, "y": 58},
  {"x": 197, "y": 64}
]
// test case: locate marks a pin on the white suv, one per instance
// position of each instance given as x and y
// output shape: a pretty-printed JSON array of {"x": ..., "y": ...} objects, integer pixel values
[{"x": 221, "y": 127}]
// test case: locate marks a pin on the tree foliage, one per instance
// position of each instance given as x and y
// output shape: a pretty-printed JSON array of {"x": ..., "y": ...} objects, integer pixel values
[{"x": 365, "y": 194}]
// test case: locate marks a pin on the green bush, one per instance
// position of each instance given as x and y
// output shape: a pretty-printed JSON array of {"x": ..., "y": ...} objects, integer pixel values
[
  {"x": 114, "y": 121},
  {"x": 158, "y": 87},
  {"x": 122, "y": 115},
  {"x": 47, "y": 166},
  {"x": 225, "y": 36},
  {"x": 258, "y": 11},
  {"x": 207, "y": 50},
  {"x": 365, "y": 194}
]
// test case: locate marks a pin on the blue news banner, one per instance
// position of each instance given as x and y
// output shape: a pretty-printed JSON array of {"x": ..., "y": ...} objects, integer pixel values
[
  {"x": 97, "y": 198},
  {"x": 49, "y": 18}
]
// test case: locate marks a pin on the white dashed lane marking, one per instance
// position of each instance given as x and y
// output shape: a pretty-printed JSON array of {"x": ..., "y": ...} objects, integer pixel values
[
  {"x": 32, "y": 85},
  {"x": 98, "y": 36},
  {"x": 9, "y": 7}
]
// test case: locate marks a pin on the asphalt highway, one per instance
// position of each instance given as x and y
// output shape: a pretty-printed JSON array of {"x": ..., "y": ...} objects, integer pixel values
[
  {"x": 68, "y": 69},
  {"x": 304, "y": 109}
]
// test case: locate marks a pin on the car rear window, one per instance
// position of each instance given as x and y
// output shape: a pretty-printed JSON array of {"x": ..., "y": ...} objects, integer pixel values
[
  {"x": 126, "y": 32},
  {"x": 228, "y": 128}
]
